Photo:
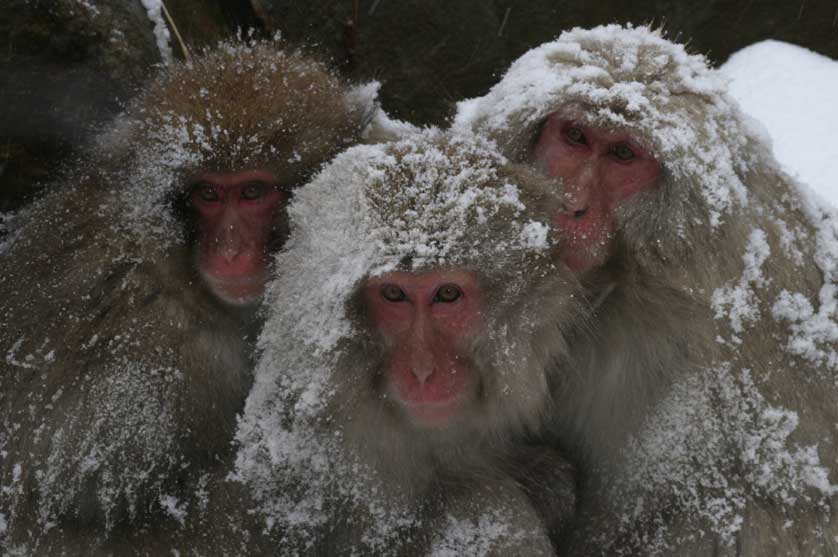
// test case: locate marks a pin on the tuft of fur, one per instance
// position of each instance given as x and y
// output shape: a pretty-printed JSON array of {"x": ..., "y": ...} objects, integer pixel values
[
  {"x": 121, "y": 377},
  {"x": 698, "y": 397}
]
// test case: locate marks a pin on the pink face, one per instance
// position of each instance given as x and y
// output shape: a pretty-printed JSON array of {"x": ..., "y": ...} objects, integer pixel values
[
  {"x": 600, "y": 168},
  {"x": 426, "y": 321},
  {"x": 235, "y": 214}
]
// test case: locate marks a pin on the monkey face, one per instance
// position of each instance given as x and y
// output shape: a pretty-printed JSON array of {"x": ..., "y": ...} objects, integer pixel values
[
  {"x": 425, "y": 320},
  {"x": 235, "y": 217},
  {"x": 600, "y": 168}
]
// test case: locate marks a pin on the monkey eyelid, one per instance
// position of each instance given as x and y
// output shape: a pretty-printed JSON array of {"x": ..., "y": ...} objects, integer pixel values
[
  {"x": 387, "y": 292},
  {"x": 257, "y": 187},
  {"x": 458, "y": 293},
  {"x": 566, "y": 132},
  {"x": 205, "y": 191},
  {"x": 616, "y": 147}
]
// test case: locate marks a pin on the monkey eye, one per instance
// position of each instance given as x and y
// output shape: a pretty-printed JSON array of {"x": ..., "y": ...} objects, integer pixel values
[
  {"x": 393, "y": 293},
  {"x": 575, "y": 135},
  {"x": 206, "y": 192},
  {"x": 623, "y": 152},
  {"x": 253, "y": 190},
  {"x": 448, "y": 293}
]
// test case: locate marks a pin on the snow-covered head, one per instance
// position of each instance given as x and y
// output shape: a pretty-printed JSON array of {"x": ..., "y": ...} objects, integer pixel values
[
  {"x": 328, "y": 413},
  {"x": 242, "y": 105},
  {"x": 632, "y": 79}
]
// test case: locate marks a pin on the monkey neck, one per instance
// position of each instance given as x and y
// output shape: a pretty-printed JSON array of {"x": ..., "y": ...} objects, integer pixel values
[{"x": 643, "y": 335}]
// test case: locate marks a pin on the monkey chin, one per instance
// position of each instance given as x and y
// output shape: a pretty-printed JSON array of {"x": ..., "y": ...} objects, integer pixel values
[{"x": 237, "y": 291}]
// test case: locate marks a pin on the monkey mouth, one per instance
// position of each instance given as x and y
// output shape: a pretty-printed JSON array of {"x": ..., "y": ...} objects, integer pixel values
[
  {"x": 433, "y": 414},
  {"x": 236, "y": 290},
  {"x": 431, "y": 410}
]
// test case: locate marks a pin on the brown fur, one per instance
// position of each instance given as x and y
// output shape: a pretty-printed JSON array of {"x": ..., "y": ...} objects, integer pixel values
[
  {"x": 653, "y": 328},
  {"x": 122, "y": 376}
]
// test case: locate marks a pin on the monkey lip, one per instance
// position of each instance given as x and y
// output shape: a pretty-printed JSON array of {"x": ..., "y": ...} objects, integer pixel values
[
  {"x": 236, "y": 290},
  {"x": 431, "y": 411},
  {"x": 433, "y": 414}
]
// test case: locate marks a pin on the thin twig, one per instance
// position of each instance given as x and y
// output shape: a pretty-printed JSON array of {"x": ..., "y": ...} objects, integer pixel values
[
  {"x": 373, "y": 7},
  {"x": 503, "y": 23},
  {"x": 183, "y": 49}
]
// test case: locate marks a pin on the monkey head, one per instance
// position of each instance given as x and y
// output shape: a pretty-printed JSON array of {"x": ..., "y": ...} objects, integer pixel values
[
  {"x": 615, "y": 116},
  {"x": 225, "y": 138},
  {"x": 402, "y": 326}
]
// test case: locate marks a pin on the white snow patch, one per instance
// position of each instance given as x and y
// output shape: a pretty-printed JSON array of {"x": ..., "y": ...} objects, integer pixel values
[
  {"x": 791, "y": 91},
  {"x": 154, "y": 9},
  {"x": 814, "y": 332},
  {"x": 173, "y": 507},
  {"x": 462, "y": 537},
  {"x": 739, "y": 303}
]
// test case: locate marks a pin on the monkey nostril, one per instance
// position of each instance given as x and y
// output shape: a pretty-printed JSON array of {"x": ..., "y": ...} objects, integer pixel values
[
  {"x": 569, "y": 210},
  {"x": 422, "y": 373}
]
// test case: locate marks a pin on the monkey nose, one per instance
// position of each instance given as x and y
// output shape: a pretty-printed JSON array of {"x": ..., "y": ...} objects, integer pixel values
[
  {"x": 422, "y": 365},
  {"x": 422, "y": 370},
  {"x": 422, "y": 373},
  {"x": 575, "y": 212},
  {"x": 229, "y": 255}
]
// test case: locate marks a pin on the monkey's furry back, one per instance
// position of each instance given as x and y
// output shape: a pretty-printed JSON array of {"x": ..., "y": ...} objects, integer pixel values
[
  {"x": 702, "y": 400},
  {"x": 121, "y": 377}
]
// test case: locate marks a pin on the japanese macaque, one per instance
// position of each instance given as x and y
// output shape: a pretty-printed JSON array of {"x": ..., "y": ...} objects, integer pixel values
[
  {"x": 698, "y": 395},
  {"x": 400, "y": 372},
  {"x": 128, "y": 300}
]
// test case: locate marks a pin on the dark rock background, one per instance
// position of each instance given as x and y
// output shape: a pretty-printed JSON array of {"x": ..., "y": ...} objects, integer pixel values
[{"x": 66, "y": 67}]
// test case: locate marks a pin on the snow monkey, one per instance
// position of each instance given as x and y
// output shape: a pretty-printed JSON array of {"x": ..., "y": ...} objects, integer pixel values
[
  {"x": 400, "y": 373},
  {"x": 698, "y": 395},
  {"x": 128, "y": 299}
]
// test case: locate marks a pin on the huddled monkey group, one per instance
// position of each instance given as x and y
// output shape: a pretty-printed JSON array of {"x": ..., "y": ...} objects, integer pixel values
[{"x": 592, "y": 317}]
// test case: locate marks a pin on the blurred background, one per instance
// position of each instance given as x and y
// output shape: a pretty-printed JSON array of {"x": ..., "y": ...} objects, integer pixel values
[{"x": 66, "y": 66}]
